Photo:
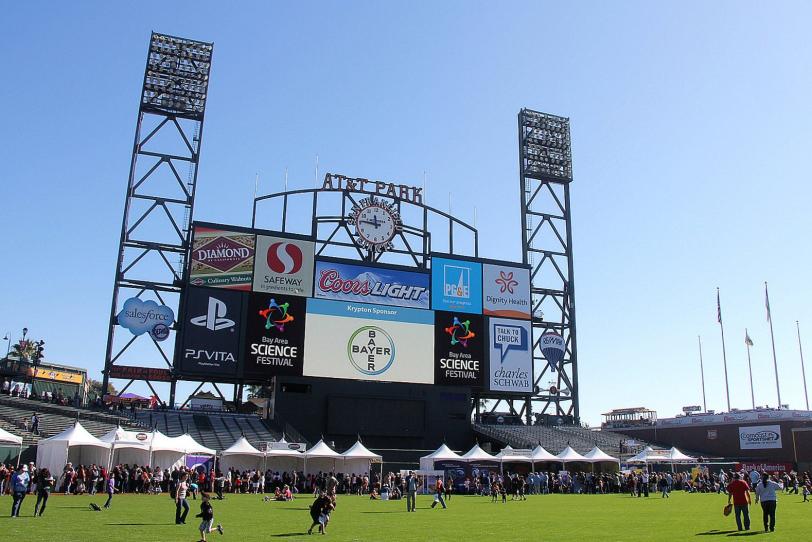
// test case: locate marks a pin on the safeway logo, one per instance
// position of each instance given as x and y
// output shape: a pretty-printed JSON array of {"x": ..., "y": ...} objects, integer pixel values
[
  {"x": 284, "y": 258},
  {"x": 214, "y": 319}
]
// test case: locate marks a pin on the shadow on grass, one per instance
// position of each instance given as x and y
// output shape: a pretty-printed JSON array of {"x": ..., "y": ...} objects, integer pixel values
[
  {"x": 142, "y": 524},
  {"x": 715, "y": 532},
  {"x": 285, "y": 535}
]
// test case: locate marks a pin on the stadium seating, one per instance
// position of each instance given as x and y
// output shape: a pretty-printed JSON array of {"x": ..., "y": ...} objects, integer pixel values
[{"x": 552, "y": 438}]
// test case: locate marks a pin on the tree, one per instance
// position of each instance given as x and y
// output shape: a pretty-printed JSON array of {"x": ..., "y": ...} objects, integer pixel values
[
  {"x": 23, "y": 350},
  {"x": 95, "y": 387}
]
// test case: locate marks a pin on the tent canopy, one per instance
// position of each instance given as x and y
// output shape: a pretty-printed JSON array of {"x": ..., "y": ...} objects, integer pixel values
[
  {"x": 540, "y": 455},
  {"x": 192, "y": 447},
  {"x": 478, "y": 454},
  {"x": 321, "y": 450},
  {"x": 76, "y": 436},
  {"x": 676, "y": 456},
  {"x": 359, "y": 451},
  {"x": 121, "y": 438},
  {"x": 596, "y": 455},
  {"x": 443, "y": 453},
  {"x": 649, "y": 455},
  {"x": 242, "y": 447},
  {"x": 568, "y": 455},
  {"x": 74, "y": 445},
  {"x": 9, "y": 438}
]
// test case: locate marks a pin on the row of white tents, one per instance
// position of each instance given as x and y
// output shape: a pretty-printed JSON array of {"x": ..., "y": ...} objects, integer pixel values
[
  {"x": 540, "y": 455},
  {"x": 76, "y": 445}
]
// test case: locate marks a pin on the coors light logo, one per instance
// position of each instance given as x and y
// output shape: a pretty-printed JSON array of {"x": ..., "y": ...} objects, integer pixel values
[{"x": 222, "y": 253}]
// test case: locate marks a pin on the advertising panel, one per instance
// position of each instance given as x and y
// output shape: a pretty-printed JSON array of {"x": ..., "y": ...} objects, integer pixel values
[
  {"x": 369, "y": 342},
  {"x": 364, "y": 284},
  {"x": 459, "y": 349},
  {"x": 506, "y": 291},
  {"x": 61, "y": 376},
  {"x": 456, "y": 285},
  {"x": 274, "y": 336},
  {"x": 140, "y": 373},
  {"x": 211, "y": 332},
  {"x": 141, "y": 317},
  {"x": 760, "y": 437},
  {"x": 222, "y": 259},
  {"x": 510, "y": 355},
  {"x": 284, "y": 266}
]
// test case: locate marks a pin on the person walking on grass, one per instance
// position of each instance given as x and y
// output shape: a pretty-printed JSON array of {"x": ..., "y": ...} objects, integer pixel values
[
  {"x": 180, "y": 501},
  {"x": 766, "y": 493},
  {"x": 316, "y": 509},
  {"x": 412, "y": 484},
  {"x": 19, "y": 487},
  {"x": 206, "y": 516},
  {"x": 45, "y": 483},
  {"x": 109, "y": 488},
  {"x": 739, "y": 491},
  {"x": 438, "y": 493}
]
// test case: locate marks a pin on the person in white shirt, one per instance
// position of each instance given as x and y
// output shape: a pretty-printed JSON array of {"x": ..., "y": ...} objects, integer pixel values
[{"x": 765, "y": 492}]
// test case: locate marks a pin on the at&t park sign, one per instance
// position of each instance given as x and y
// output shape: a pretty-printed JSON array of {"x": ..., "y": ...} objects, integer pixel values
[{"x": 333, "y": 181}]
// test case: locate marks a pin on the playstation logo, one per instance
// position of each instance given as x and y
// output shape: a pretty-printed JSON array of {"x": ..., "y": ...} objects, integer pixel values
[{"x": 214, "y": 319}]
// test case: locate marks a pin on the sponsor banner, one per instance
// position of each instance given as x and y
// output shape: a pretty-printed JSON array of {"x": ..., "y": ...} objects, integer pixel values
[
  {"x": 456, "y": 285},
  {"x": 222, "y": 259},
  {"x": 284, "y": 266},
  {"x": 363, "y": 284},
  {"x": 506, "y": 291},
  {"x": 297, "y": 446},
  {"x": 146, "y": 317},
  {"x": 760, "y": 437},
  {"x": 692, "y": 408},
  {"x": 771, "y": 467},
  {"x": 553, "y": 346},
  {"x": 510, "y": 355},
  {"x": 274, "y": 335},
  {"x": 752, "y": 416},
  {"x": 211, "y": 332},
  {"x": 459, "y": 349},
  {"x": 140, "y": 373},
  {"x": 369, "y": 342},
  {"x": 59, "y": 376}
]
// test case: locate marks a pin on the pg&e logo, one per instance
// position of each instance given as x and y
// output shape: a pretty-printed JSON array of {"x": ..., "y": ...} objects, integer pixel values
[{"x": 456, "y": 282}]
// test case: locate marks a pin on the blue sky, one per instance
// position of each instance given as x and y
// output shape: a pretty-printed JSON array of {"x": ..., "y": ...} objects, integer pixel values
[{"x": 691, "y": 129}]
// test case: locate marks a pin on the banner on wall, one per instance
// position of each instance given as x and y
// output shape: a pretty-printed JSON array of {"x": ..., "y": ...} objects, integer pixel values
[
  {"x": 369, "y": 342},
  {"x": 221, "y": 259},
  {"x": 284, "y": 266},
  {"x": 456, "y": 285},
  {"x": 510, "y": 355},
  {"x": 211, "y": 332},
  {"x": 459, "y": 349},
  {"x": 274, "y": 335},
  {"x": 365, "y": 284},
  {"x": 760, "y": 437},
  {"x": 506, "y": 291}
]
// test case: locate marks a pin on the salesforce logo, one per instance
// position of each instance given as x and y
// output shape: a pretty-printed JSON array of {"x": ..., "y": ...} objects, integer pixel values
[{"x": 146, "y": 317}]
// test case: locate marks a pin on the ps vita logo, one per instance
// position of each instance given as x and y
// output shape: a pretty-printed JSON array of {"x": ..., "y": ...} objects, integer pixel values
[{"x": 371, "y": 350}]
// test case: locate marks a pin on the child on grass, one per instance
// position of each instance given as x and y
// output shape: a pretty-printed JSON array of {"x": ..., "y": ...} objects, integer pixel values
[{"x": 207, "y": 518}]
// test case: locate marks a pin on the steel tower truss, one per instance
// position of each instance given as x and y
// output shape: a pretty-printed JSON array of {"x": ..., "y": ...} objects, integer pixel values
[
  {"x": 545, "y": 174},
  {"x": 155, "y": 238}
]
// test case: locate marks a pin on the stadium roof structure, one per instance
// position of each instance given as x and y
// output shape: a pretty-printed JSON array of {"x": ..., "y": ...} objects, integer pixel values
[{"x": 242, "y": 447}]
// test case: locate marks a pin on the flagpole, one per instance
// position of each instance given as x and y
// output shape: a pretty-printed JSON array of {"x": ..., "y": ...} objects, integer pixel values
[
  {"x": 747, "y": 343},
  {"x": 724, "y": 352},
  {"x": 803, "y": 370},
  {"x": 702, "y": 372},
  {"x": 772, "y": 338}
]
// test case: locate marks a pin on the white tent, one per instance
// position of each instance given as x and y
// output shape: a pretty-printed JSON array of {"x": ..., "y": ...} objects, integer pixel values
[
  {"x": 165, "y": 452},
  {"x": 192, "y": 447},
  {"x": 540, "y": 455},
  {"x": 358, "y": 459},
  {"x": 596, "y": 455},
  {"x": 242, "y": 456},
  {"x": 127, "y": 447},
  {"x": 477, "y": 454},
  {"x": 676, "y": 456},
  {"x": 320, "y": 458},
  {"x": 443, "y": 453},
  {"x": 74, "y": 445},
  {"x": 568, "y": 455},
  {"x": 649, "y": 455},
  {"x": 8, "y": 438},
  {"x": 284, "y": 460}
]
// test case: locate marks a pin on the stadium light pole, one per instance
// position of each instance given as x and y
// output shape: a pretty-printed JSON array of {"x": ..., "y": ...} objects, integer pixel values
[{"x": 803, "y": 369}]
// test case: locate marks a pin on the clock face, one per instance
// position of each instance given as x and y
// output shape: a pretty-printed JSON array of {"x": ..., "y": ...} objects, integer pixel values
[{"x": 376, "y": 225}]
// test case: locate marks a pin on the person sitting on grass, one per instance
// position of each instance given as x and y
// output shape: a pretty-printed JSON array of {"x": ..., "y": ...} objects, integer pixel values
[{"x": 206, "y": 516}]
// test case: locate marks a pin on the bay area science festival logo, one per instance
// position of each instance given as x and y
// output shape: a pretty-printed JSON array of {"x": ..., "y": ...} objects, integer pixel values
[
  {"x": 371, "y": 350},
  {"x": 460, "y": 332},
  {"x": 276, "y": 316}
]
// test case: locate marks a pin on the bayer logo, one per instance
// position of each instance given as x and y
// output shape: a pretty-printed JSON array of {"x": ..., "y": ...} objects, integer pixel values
[{"x": 371, "y": 350}]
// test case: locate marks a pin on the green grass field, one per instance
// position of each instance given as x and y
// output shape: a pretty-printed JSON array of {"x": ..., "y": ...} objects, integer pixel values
[{"x": 246, "y": 518}]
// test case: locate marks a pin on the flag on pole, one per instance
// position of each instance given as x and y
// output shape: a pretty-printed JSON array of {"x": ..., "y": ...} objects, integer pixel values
[
  {"x": 747, "y": 340},
  {"x": 767, "y": 302},
  {"x": 718, "y": 307}
]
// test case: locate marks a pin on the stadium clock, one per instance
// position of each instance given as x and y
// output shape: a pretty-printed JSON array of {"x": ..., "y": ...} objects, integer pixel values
[{"x": 376, "y": 224}]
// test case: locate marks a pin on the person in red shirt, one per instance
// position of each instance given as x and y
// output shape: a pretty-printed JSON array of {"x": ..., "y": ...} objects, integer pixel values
[{"x": 739, "y": 491}]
